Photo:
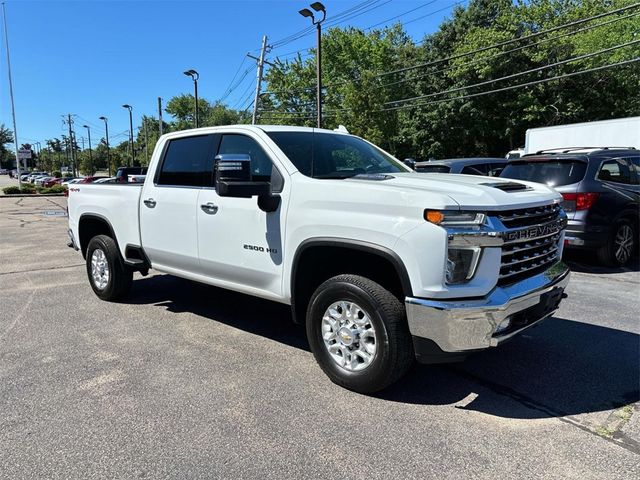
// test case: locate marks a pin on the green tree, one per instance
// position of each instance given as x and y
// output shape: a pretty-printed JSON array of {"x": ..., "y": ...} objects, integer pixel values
[{"x": 7, "y": 159}]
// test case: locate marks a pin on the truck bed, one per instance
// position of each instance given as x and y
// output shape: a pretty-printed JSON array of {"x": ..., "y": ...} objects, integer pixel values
[{"x": 119, "y": 203}]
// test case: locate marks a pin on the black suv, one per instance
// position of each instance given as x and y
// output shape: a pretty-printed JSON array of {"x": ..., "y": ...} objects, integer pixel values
[
  {"x": 601, "y": 191},
  {"x": 490, "y": 167},
  {"x": 122, "y": 175}
]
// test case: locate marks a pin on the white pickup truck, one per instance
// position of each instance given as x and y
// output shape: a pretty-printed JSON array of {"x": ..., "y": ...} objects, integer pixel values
[{"x": 382, "y": 264}]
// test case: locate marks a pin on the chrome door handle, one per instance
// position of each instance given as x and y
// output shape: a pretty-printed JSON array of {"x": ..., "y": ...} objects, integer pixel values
[
  {"x": 150, "y": 202},
  {"x": 209, "y": 208}
]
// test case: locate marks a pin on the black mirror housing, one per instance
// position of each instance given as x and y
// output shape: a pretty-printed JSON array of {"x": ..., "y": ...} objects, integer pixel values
[
  {"x": 232, "y": 177},
  {"x": 410, "y": 162}
]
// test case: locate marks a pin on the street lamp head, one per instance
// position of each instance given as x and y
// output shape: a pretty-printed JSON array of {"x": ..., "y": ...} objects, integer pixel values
[
  {"x": 85, "y": 126},
  {"x": 305, "y": 12},
  {"x": 192, "y": 73},
  {"x": 127, "y": 106},
  {"x": 318, "y": 7},
  {"x": 103, "y": 118}
]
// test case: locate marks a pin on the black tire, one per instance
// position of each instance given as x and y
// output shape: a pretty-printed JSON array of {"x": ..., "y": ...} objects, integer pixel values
[
  {"x": 394, "y": 347},
  {"x": 609, "y": 253},
  {"x": 120, "y": 276}
]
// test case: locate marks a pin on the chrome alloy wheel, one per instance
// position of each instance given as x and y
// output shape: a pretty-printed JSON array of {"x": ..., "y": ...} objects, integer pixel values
[
  {"x": 623, "y": 243},
  {"x": 99, "y": 269},
  {"x": 348, "y": 335}
]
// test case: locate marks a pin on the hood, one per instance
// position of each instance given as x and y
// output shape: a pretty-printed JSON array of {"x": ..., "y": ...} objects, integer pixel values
[{"x": 469, "y": 192}]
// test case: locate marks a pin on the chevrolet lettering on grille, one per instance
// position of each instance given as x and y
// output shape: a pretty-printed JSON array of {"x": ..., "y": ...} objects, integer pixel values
[{"x": 535, "y": 232}]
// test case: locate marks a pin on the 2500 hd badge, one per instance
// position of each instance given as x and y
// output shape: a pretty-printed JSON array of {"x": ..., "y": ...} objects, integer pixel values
[{"x": 257, "y": 248}]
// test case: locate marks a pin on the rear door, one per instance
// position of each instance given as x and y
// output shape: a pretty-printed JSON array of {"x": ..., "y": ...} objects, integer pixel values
[
  {"x": 619, "y": 188},
  {"x": 169, "y": 206}
]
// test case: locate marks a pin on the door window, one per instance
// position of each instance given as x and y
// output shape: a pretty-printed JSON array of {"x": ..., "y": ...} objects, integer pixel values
[
  {"x": 615, "y": 171},
  {"x": 635, "y": 165},
  {"x": 188, "y": 162},
  {"x": 261, "y": 166},
  {"x": 260, "y": 162}
]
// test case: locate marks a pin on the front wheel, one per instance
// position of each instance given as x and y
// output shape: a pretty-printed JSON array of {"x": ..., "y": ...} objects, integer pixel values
[
  {"x": 109, "y": 277},
  {"x": 358, "y": 333}
]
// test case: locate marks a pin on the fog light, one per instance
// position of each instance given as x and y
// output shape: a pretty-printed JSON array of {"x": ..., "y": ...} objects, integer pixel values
[
  {"x": 461, "y": 264},
  {"x": 504, "y": 325}
]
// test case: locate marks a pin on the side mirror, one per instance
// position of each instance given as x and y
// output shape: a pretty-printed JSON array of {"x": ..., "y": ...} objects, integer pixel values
[
  {"x": 410, "y": 162},
  {"x": 232, "y": 177}
]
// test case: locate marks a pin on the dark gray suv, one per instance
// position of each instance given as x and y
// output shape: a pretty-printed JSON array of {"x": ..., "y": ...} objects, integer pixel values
[{"x": 601, "y": 191}]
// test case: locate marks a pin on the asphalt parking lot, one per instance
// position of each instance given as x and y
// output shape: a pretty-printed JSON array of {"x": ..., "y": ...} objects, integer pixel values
[{"x": 183, "y": 380}]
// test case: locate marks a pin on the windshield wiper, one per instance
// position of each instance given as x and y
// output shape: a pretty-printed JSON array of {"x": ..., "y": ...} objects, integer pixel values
[{"x": 335, "y": 176}]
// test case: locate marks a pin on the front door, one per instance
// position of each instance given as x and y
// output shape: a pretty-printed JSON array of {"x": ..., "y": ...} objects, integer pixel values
[{"x": 239, "y": 244}]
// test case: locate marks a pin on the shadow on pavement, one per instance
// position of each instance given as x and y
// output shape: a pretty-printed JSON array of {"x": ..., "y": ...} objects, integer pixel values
[{"x": 561, "y": 367}]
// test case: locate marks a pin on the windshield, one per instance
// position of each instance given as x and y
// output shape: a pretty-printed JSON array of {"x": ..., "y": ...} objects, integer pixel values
[
  {"x": 326, "y": 155},
  {"x": 553, "y": 173}
]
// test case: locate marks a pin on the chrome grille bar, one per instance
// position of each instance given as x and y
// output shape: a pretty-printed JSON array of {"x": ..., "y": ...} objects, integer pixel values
[{"x": 531, "y": 241}]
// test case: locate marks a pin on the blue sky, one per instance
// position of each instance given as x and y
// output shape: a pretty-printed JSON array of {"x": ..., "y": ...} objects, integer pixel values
[{"x": 89, "y": 57}]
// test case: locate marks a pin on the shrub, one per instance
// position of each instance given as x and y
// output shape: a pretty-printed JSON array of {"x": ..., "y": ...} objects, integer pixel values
[
  {"x": 14, "y": 189},
  {"x": 57, "y": 189},
  {"x": 57, "y": 173}
]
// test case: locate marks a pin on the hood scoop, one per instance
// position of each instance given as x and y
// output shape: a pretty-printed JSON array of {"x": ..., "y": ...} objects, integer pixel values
[
  {"x": 507, "y": 186},
  {"x": 378, "y": 177}
]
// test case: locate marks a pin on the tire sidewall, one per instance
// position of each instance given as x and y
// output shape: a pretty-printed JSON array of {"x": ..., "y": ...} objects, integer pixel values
[
  {"x": 334, "y": 292},
  {"x": 100, "y": 243}
]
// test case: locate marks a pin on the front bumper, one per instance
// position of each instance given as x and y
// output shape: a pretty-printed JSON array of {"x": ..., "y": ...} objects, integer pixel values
[{"x": 460, "y": 326}]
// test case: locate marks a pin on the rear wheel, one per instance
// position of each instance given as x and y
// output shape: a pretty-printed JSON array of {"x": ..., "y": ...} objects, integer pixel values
[
  {"x": 358, "y": 333},
  {"x": 621, "y": 244},
  {"x": 109, "y": 277}
]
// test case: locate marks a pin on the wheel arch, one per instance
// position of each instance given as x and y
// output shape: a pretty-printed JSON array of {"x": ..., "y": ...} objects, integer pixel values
[
  {"x": 379, "y": 263},
  {"x": 90, "y": 225}
]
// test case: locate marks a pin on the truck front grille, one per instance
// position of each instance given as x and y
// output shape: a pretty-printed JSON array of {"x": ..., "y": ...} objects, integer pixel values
[{"x": 531, "y": 241}]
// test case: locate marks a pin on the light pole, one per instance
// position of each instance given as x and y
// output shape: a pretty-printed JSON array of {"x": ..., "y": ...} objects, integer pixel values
[
  {"x": 90, "y": 154},
  {"x": 133, "y": 154},
  {"x": 106, "y": 131},
  {"x": 194, "y": 76},
  {"x": 305, "y": 12},
  {"x": 38, "y": 147}
]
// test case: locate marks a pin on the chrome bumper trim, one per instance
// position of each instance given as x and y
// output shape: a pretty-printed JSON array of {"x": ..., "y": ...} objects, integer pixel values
[{"x": 463, "y": 325}]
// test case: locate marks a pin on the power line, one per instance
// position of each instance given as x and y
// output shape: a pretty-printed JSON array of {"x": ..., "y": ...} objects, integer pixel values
[
  {"x": 482, "y": 49},
  {"x": 518, "y": 74},
  {"x": 413, "y": 10},
  {"x": 356, "y": 10},
  {"x": 513, "y": 87},
  {"x": 505, "y": 52},
  {"x": 244, "y": 59},
  {"x": 509, "y": 42}
]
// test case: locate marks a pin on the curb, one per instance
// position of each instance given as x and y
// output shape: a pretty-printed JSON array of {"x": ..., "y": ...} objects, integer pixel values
[{"x": 34, "y": 195}]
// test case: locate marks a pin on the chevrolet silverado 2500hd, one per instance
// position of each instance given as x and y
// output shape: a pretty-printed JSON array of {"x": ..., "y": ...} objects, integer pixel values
[{"x": 382, "y": 264}]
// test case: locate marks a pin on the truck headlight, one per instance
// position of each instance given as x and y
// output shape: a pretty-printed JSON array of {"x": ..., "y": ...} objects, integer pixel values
[
  {"x": 461, "y": 264},
  {"x": 454, "y": 218}
]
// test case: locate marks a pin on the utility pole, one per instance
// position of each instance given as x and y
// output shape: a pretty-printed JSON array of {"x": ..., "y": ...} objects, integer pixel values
[
  {"x": 13, "y": 108},
  {"x": 90, "y": 154},
  {"x": 146, "y": 142},
  {"x": 160, "y": 114},
  {"x": 261, "y": 62},
  {"x": 71, "y": 145},
  {"x": 106, "y": 131}
]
